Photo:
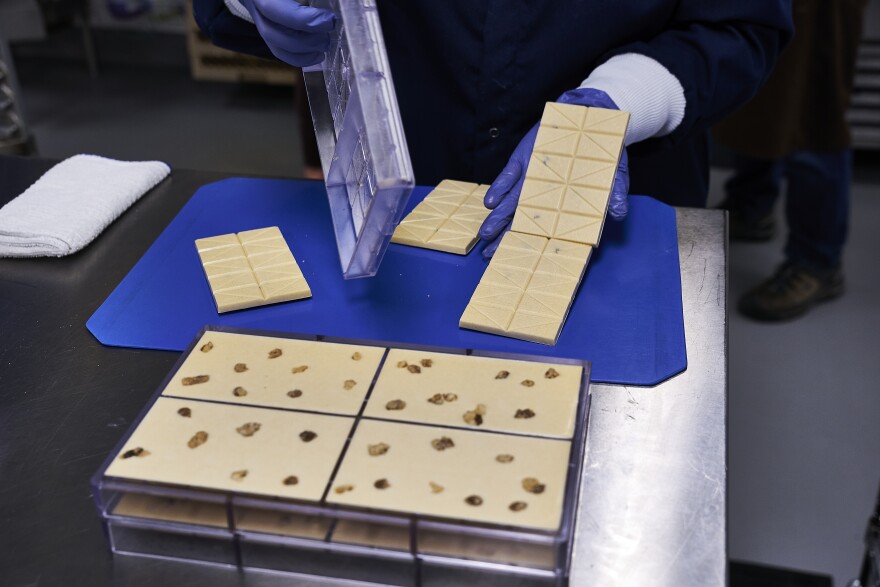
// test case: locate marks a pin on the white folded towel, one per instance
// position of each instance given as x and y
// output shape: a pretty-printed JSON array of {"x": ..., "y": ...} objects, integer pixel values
[{"x": 72, "y": 203}]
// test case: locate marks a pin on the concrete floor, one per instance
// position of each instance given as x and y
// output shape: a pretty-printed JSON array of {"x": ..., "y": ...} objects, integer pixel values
[
  {"x": 804, "y": 402},
  {"x": 804, "y": 409}
]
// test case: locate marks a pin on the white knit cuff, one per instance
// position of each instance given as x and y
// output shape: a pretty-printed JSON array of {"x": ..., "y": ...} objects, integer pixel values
[
  {"x": 238, "y": 9},
  {"x": 640, "y": 85}
]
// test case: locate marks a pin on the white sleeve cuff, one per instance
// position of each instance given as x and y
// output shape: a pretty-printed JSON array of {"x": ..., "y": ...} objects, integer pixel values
[
  {"x": 238, "y": 9},
  {"x": 640, "y": 85}
]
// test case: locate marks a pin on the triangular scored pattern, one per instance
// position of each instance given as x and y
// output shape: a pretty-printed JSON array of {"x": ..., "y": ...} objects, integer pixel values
[
  {"x": 239, "y": 299},
  {"x": 540, "y": 194},
  {"x": 216, "y": 242},
  {"x": 584, "y": 201},
  {"x": 563, "y": 116},
  {"x": 548, "y": 167},
  {"x": 215, "y": 254},
  {"x": 578, "y": 228},
  {"x": 451, "y": 185},
  {"x": 557, "y": 140},
  {"x": 226, "y": 266},
  {"x": 593, "y": 173},
  {"x": 599, "y": 146},
  {"x": 548, "y": 304},
  {"x": 570, "y": 174},
  {"x": 528, "y": 243},
  {"x": 532, "y": 279},
  {"x": 491, "y": 319},
  {"x": 607, "y": 121},
  {"x": 448, "y": 219},
  {"x": 493, "y": 294},
  {"x": 260, "y": 234}
]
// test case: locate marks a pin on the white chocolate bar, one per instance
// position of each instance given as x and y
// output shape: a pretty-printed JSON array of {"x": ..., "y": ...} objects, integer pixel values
[
  {"x": 570, "y": 173},
  {"x": 252, "y": 268},
  {"x": 528, "y": 287},
  {"x": 448, "y": 219}
]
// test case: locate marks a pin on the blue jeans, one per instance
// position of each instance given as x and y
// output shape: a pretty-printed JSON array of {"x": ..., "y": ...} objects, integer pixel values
[{"x": 817, "y": 201}]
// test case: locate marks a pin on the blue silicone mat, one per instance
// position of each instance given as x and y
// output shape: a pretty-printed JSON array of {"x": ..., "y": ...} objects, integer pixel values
[{"x": 626, "y": 319}]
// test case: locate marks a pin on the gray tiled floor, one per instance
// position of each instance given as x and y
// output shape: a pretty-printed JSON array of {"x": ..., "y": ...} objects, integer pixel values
[{"x": 804, "y": 401}]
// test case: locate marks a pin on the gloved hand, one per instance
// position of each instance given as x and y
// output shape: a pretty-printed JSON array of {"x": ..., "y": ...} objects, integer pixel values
[
  {"x": 296, "y": 34},
  {"x": 503, "y": 194}
]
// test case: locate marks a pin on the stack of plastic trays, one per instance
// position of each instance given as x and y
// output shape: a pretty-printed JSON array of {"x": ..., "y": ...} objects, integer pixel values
[
  {"x": 197, "y": 521},
  {"x": 360, "y": 136}
]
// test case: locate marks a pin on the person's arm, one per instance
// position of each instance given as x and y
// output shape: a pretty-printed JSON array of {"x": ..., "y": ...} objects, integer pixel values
[
  {"x": 711, "y": 58},
  {"x": 228, "y": 31},
  {"x": 294, "y": 33},
  {"x": 720, "y": 52}
]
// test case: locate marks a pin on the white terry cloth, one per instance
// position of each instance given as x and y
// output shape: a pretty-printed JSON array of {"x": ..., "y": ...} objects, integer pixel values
[{"x": 72, "y": 203}]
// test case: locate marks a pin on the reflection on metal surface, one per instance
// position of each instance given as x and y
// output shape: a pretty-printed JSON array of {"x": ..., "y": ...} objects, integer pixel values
[{"x": 653, "y": 498}]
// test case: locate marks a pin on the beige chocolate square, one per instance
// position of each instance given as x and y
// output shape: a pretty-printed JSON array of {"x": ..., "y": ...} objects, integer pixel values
[
  {"x": 603, "y": 120},
  {"x": 464, "y": 481},
  {"x": 447, "y": 220},
  {"x": 258, "y": 463},
  {"x": 239, "y": 298},
  {"x": 563, "y": 115},
  {"x": 260, "y": 234},
  {"x": 224, "y": 266},
  {"x": 441, "y": 394},
  {"x": 487, "y": 318},
  {"x": 232, "y": 280},
  {"x": 217, "y": 242},
  {"x": 221, "y": 254},
  {"x": 252, "y": 268},
  {"x": 274, "y": 258},
  {"x": 267, "y": 377},
  {"x": 284, "y": 289}
]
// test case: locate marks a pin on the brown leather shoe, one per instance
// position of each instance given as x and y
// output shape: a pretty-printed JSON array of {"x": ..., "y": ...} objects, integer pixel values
[{"x": 790, "y": 293}]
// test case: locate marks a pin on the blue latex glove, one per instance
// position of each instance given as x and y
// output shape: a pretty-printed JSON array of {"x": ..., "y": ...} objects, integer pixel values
[
  {"x": 503, "y": 194},
  {"x": 296, "y": 34}
]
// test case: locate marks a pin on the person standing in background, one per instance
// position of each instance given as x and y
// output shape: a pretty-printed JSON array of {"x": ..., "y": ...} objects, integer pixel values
[{"x": 796, "y": 129}]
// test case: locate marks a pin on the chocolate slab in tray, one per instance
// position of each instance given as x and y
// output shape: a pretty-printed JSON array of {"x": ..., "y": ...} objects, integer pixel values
[{"x": 378, "y": 462}]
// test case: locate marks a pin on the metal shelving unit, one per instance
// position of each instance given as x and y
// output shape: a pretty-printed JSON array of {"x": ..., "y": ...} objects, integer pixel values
[
  {"x": 864, "y": 114},
  {"x": 14, "y": 138}
]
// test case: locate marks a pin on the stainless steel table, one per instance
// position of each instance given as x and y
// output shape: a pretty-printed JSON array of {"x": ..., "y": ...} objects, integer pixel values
[
  {"x": 654, "y": 494},
  {"x": 653, "y": 505}
]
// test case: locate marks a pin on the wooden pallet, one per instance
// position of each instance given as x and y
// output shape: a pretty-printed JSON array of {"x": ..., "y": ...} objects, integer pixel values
[{"x": 210, "y": 63}]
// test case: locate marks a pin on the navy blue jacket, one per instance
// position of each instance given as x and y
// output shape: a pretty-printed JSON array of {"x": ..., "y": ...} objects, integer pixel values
[{"x": 472, "y": 75}]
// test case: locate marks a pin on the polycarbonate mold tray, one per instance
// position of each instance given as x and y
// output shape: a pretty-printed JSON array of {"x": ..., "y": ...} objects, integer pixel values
[
  {"x": 211, "y": 522},
  {"x": 360, "y": 136}
]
